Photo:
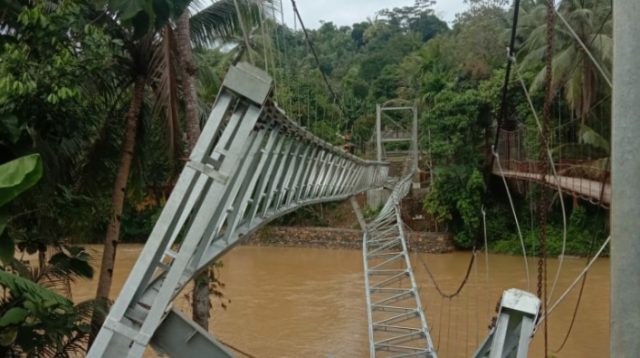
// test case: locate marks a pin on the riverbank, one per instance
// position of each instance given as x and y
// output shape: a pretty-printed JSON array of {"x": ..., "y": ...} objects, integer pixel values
[{"x": 342, "y": 238}]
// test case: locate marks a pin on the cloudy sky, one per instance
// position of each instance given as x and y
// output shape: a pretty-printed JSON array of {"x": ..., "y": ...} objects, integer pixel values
[{"x": 347, "y": 12}]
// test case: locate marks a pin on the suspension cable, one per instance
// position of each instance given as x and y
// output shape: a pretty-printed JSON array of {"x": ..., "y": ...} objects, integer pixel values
[
  {"x": 466, "y": 338},
  {"x": 515, "y": 217},
  {"x": 286, "y": 62},
  {"x": 245, "y": 34},
  {"x": 556, "y": 177},
  {"x": 573, "y": 284},
  {"x": 486, "y": 258},
  {"x": 542, "y": 213},
  {"x": 505, "y": 87},
  {"x": 477, "y": 303},
  {"x": 440, "y": 323},
  {"x": 578, "y": 301},
  {"x": 313, "y": 52},
  {"x": 604, "y": 22},
  {"x": 460, "y": 286},
  {"x": 276, "y": 59},
  {"x": 449, "y": 328},
  {"x": 264, "y": 39}
]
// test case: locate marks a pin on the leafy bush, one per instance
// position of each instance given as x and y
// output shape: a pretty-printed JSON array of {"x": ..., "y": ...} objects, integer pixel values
[
  {"x": 585, "y": 233},
  {"x": 457, "y": 122}
]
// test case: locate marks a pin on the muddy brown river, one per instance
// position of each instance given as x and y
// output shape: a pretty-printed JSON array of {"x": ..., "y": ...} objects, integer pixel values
[{"x": 304, "y": 302}]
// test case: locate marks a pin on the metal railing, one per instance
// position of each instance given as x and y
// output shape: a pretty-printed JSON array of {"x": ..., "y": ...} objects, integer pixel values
[
  {"x": 587, "y": 179},
  {"x": 580, "y": 178},
  {"x": 251, "y": 165}
]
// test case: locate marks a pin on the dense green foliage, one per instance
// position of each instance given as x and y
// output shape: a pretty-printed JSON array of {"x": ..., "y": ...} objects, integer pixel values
[
  {"x": 457, "y": 75},
  {"x": 35, "y": 321},
  {"x": 16, "y": 176},
  {"x": 50, "y": 106},
  {"x": 458, "y": 125},
  {"x": 57, "y": 98}
]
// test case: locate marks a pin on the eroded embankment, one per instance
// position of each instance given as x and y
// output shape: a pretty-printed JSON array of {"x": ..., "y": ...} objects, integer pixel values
[{"x": 343, "y": 238}]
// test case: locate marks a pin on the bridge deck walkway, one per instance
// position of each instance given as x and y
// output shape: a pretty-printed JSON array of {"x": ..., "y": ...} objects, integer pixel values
[{"x": 586, "y": 188}]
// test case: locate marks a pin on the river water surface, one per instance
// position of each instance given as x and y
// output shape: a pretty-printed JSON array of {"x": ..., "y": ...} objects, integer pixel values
[{"x": 306, "y": 302}]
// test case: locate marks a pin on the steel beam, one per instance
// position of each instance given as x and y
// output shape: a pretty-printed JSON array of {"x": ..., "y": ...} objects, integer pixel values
[
  {"x": 625, "y": 198},
  {"x": 511, "y": 335}
]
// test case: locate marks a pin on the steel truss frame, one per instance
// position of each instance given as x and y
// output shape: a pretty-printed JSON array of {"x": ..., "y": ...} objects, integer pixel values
[
  {"x": 397, "y": 323},
  {"x": 515, "y": 324},
  {"x": 251, "y": 165}
]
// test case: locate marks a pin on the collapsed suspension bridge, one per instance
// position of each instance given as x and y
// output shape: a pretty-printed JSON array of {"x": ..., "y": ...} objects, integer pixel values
[{"x": 250, "y": 166}]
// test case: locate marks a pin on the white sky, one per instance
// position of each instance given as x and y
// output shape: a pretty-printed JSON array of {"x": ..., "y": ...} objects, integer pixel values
[{"x": 347, "y": 12}]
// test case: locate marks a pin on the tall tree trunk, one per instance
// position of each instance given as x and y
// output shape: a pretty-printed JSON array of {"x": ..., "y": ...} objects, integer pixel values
[
  {"x": 185, "y": 54},
  {"x": 200, "y": 303},
  {"x": 117, "y": 198}
]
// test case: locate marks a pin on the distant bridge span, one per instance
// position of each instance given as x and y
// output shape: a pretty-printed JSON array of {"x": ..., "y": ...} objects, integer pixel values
[
  {"x": 589, "y": 179},
  {"x": 595, "y": 191}
]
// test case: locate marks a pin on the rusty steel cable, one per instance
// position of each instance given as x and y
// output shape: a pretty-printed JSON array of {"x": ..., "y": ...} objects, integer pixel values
[
  {"x": 449, "y": 329},
  {"x": 440, "y": 323},
  {"x": 460, "y": 286},
  {"x": 546, "y": 115},
  {"x": 573, "y": 317},
  {"x": 556, "y": 178},
  {"x": 245, "y": 353}
]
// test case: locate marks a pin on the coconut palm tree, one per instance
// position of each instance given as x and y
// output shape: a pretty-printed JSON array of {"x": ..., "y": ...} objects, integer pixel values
[
  {"x": 156, "y": 60},
  {"x": 219, "y": 21},
  {"x": 573, "y": 71}
]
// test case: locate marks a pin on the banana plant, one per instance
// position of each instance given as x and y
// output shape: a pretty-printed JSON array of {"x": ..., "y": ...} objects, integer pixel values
[{"x": 16, "y": 177}]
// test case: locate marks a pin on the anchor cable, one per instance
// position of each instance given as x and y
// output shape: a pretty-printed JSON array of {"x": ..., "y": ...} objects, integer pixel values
[
  {"x": 556, "y": 178},
  {"x": 236, "y": 349},
  {"x": 546, "y": 115},
  {"x": 573, "y": 284}
]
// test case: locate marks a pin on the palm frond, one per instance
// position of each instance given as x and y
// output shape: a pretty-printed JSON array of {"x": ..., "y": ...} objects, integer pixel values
[
  {"x": 216, "y": 22},
  {"x": 19, "y": 286},
  {"x": 602, "y": 46},
  {"x": 562, "y": 66},
  {"x": 590, "y": 137},
  {"x": 219, "y": 22},
  {"x": 166, "y": 89}
]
